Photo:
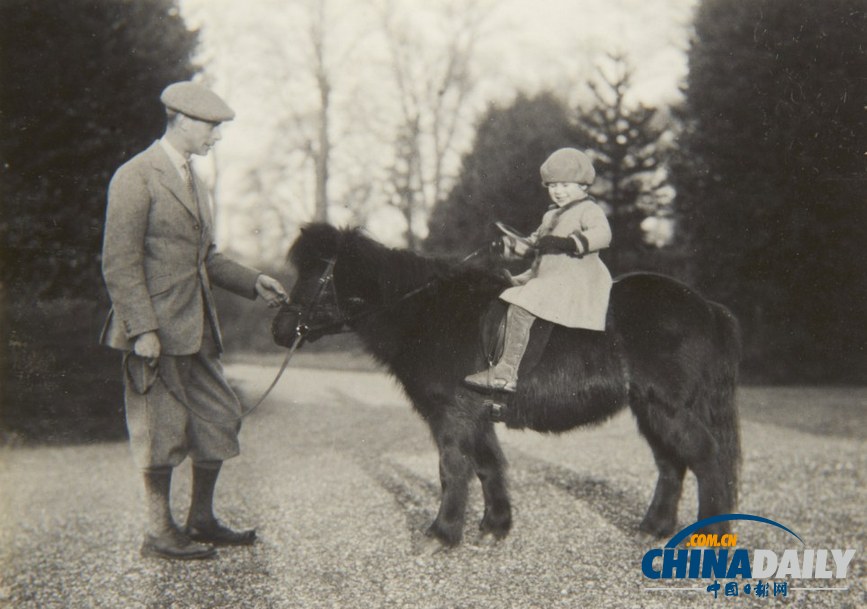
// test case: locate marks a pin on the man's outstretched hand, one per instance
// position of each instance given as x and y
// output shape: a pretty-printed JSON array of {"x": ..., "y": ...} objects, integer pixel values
[{"x": 271, "y": 291}]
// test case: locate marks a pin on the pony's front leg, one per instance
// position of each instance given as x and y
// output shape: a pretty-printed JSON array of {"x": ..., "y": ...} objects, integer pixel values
[
  {"x": 455, "y": 447},
  {"x": 490, "y": 465}
]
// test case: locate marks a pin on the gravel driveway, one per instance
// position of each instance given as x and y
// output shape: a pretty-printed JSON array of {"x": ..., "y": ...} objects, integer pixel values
[{"x": 340, "y": 477}]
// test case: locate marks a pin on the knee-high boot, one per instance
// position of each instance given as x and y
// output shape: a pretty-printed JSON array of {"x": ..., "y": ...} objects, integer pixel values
[
  {"x": 504, "y": 375},
  {"x": 164, "y": 539},
  {"x": 202, "y": 524}
]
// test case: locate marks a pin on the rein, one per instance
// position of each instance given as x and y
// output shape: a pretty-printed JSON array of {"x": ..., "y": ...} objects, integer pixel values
[
  {"x": 301, "y": 330},
  {"x": 347, "y": 320}
]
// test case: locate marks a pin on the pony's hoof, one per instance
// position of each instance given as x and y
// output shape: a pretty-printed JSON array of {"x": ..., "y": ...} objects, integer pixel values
[
  {"x": 497, "y": 530},
  {"x": 656, "y": 529},
  {"x": 488, "y": 540},
  {"x": 430, "y": 546},
  {"x": 719, "y": 529}
]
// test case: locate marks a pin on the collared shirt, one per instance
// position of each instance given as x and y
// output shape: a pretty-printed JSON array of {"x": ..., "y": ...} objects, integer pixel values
[
  {"x": 185, "y": 170},
  {"x": 177, "y": 159}
]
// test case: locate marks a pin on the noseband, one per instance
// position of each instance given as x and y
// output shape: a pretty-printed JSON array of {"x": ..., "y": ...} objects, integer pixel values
[{"x": 325, "y": 303}]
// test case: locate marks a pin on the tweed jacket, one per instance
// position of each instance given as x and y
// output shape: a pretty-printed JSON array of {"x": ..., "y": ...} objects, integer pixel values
[
  {"x": 568, "y": 289},
  {"x": 159, "y": 259}
]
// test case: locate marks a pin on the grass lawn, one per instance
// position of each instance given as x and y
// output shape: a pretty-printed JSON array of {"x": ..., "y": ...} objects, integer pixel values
[{"x": 824, "y": 410}]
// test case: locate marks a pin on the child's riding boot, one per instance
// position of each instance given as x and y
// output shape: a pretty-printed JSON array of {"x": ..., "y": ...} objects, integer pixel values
[{"x": 504, "y": 375}]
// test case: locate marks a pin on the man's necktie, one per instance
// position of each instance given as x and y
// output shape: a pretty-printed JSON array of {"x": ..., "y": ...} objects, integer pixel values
[
  {"x": 190, "y": 179},
  {"x": 191, "y": 183}
]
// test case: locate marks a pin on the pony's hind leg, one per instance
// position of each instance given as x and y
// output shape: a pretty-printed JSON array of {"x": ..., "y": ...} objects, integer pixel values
[
  {"x": 455, "y": 450},
  {"x": 490, "y": 465},
  {"x": 679, "y": 439},
  {"x": 715, "y": 494},
  {"x": 704, "y": 450},
  {"x": 717, "y": 474},
  {"x": 661, "y": 517}
]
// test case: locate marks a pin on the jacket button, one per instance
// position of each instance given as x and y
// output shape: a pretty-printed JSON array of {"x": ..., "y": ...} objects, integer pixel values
[{"x": 196, "y": 226}]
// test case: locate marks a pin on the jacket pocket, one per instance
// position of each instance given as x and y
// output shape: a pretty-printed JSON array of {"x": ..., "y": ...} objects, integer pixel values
[{"x": 161, "y": 284}]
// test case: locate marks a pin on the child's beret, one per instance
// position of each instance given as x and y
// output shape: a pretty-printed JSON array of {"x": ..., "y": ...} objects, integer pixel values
[{"x": 568, "y": 165}]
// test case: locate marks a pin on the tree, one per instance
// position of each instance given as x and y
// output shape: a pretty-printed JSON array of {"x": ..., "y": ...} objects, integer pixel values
[
  {"x": 321, "y": 150},
  {"x": 500, "y": 175},
  {"x": 80, "y": 94},
  {"x": 770, "y": 181},
  {"x": 433, "y": 93},
  {"x": 292, "y": 162},
  {"x": 629, "y": 149}
]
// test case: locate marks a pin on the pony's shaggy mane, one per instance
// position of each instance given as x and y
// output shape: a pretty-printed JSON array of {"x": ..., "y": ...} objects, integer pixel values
[{"x": 396, "y": 271}]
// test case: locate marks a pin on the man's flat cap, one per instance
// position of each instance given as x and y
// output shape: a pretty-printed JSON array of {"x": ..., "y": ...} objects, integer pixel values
[{"x": 196, "y": 101}]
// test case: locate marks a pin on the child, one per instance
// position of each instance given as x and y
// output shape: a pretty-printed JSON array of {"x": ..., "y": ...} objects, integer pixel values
[{"x": 568, "y": 284}]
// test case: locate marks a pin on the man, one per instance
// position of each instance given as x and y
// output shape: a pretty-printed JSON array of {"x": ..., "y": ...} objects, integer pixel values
[{"x": 159, "y": 261}]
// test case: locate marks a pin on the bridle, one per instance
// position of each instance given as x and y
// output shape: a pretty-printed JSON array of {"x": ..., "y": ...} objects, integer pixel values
[
  {"x": 340, "y": 322},
  {"x": 325, "y": 284}
]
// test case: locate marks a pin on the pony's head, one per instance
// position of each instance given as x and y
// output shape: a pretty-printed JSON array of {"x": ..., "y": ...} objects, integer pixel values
[
  {"x": 316, "y": 306},
  {"x": 313, "y": 310}
]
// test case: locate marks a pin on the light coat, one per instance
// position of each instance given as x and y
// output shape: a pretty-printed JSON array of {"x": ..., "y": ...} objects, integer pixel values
[
  {"x": 159, "y": 258},
  {"x": 568, "y": 289}
]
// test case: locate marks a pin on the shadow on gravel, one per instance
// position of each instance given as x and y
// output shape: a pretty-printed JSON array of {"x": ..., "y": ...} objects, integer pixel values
[
  {"x": 413, "y": 493},
  {"x": 622, "y": 509}
]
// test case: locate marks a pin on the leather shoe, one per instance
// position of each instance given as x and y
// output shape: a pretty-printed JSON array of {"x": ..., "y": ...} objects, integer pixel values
[
  {"x": 219, "y": 535},
  {"x": 175, "y": 546}
]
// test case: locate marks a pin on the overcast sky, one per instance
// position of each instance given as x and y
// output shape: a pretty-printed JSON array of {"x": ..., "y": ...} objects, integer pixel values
[{"x": 527, "y": 45}]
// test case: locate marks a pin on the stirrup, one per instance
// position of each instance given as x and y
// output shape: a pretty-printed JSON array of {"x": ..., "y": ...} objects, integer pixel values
[
  {"x": 486, "y": 380},
  {"x": 497, "y": 411}
]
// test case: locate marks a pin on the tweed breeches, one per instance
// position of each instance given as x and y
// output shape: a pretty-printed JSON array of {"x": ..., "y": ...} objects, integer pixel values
[{"x": 190, "y": 410}]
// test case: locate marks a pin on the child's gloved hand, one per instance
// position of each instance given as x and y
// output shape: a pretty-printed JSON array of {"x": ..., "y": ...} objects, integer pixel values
[{"x": 550, "y": 244}]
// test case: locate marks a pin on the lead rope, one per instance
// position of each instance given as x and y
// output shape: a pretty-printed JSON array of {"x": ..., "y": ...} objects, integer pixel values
[
  {"x": 300, "y": 332},
  {"x": 295, "y": 344}
]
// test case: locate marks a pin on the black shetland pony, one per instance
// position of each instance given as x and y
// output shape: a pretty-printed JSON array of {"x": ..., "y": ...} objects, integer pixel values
[{"x": 669, "y": 354}]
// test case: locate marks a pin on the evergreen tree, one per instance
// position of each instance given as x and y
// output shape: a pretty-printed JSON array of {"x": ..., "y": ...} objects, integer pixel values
[
  {"x": 771, "y": 178},
  {"x": 629, "y": 155},
  {"x": 80, "y": 95},
  {"x": 500, "y": 175}
]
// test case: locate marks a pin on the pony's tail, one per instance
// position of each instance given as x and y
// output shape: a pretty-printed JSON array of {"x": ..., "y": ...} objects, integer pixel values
[{"x": 724, "y": 410}]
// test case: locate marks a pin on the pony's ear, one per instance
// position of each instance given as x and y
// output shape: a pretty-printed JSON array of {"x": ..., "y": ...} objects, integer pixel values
[
  {"x": 320, "y": 231},
  {"x": 316, "y": 240}
]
